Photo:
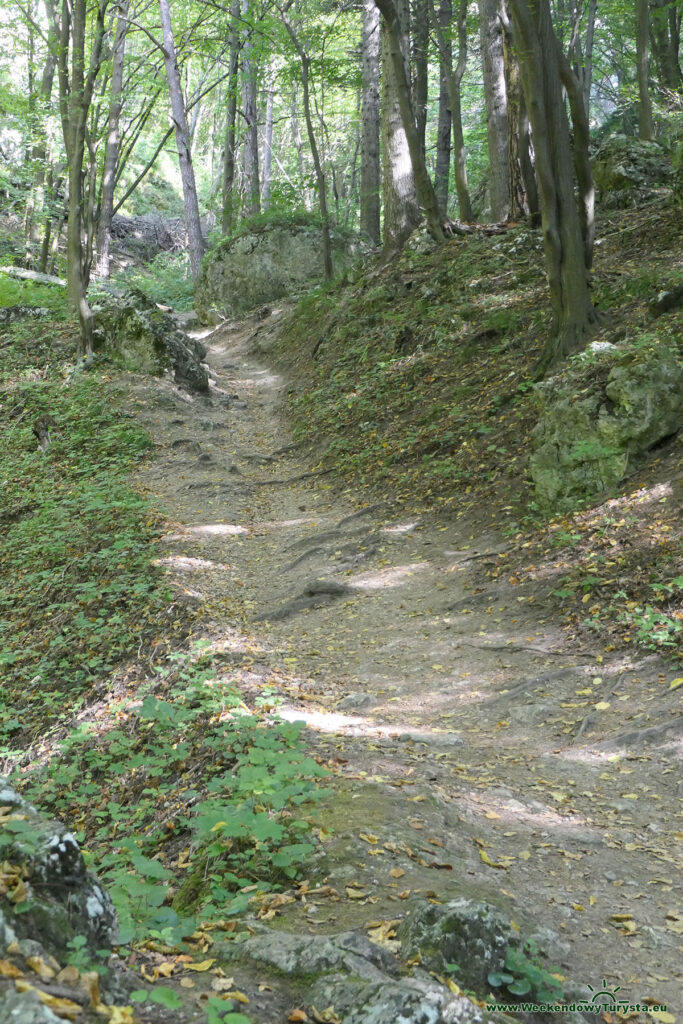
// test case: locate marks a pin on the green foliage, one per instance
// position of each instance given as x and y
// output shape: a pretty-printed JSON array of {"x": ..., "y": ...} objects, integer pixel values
[
  {"x": 78, "y": 592},
  {"x": 249, "y": 777},
  {"x": 14, "y": 292},
  {"x": 166, "y": 280},
  {"x": 525, "y": 975}
]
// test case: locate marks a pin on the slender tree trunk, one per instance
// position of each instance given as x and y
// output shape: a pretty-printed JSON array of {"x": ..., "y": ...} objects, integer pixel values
[
  {"x": 228, "y": 209},
  {"x": 645, "y": 126},
  {"x": 75, "y": 97},
  {"x": 370, "y": 125},
  {"x": 518, "y": 203},
  {"x": 665, "y": 26},
  {"x": 268, "y": 142},
  {"x": 313, "y": 144},
  {"x": 539, "y": 53},
  {"x": 442, "y": 171},
  {"x": 491, "y": 34},
  {"x": 111, "y": 152},
  {"x": 39, "y": 150},
  {"x": 193, "y": 226},
  {"x": 249, "y": 101},
  {"x": 454, "y": 81},
  {"x": 420, "y": 95},
  {"x": 581, "y": 153},
  {"x": 394, "y": 47},
  {"x": 586, "y": 78}
]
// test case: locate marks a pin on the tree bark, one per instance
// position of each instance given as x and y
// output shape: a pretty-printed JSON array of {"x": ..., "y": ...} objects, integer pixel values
[
  {"x": 39, "y": 151},
  {"x": 645, "y": 126},
  {"x": 250, "y": 155},
  {"x": 406, "y": 163},
  {"x": 665, "y": 29},
  {"x": 312, "y": 142},
  {"x": 268, "y": 141},
  {"x": 193, "y": 226},
  {"x": 491, "y": 35},
  {"x": 454, "y": 81},
  {"x": 442, "y": 171},
  {"x": 111, "y": 152},
  {"x": 75, "y": 97},
  {"x": 538, "y": 49},
  {"x": 227, "y": 214},
  {"x": 420, "y": 38},
  {"x": 370, "y": 125}
]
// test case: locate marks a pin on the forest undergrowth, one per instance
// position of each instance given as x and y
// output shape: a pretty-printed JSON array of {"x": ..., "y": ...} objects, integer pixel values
[{"x": 417, "y": 380}]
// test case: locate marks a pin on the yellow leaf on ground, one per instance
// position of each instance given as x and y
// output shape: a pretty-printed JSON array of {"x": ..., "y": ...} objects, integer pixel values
[
  {"x": 43, "y": 970},
  {"x": 205, "y": 965},
  {"x": 368, "y": 837},
  {"x": 675, "y": 683},
  {"x": 238, "y": 996},
  {"x": 355, "y": 894},
  {"x": 187, "y": 982},
  {"x": 602, "y": 705},
  {"x": 663, "y": 1016},
  {"x": 297, "y": 1017},
  {"x": 397, "y": 872},
  {"x": 10, "y": 970},
  {"x": 64, "y": 1008},
  {"x": 491, "y": 863}
]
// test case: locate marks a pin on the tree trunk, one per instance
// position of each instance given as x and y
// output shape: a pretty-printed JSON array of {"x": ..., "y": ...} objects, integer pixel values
[
  {"x": 370, "y": 122},
  {"x": 454, "y": 81},
  {"x": 665, "y": 35},
  {"x": 645, "y": 126},
  {"x": 518, "y": 203},
  {"x": 312, "y": 142},
  {"x": 538, "y": 49},
  {"x": 268, "y": 142},
  {"x": 407, "y": 169},
  {"x": 111, "y": 152},
  {"x": 420, "y": 94},
  {"x": 249, "y": 101},
  {"x": 38, "y": 157},
  {"x": 75, "y": 96},
  {"x": 491, "y": 34},
  {"x": 442, "y": 171},
  {"x": 228, "y": 209},
  {"x": 192, "y": 220}
]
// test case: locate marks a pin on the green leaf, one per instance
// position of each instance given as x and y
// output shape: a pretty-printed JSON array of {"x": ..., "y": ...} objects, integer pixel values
[{"x": 166, "y": 997}]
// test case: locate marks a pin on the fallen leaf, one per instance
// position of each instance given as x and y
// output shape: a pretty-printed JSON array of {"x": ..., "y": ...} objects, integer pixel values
[
  {"x": 397, "y": 872},
  {"x": 297, "y": 1017},
  {"x": 205, "y": 965}
]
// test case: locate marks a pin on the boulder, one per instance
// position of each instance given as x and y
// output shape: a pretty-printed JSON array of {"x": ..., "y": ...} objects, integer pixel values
[
  {"x": 261, "y": 266},
  {"x": 624, "y": 165},
  {"x": 469, "y": 933},
  {"x": 59, "y": 898},
  {"x": 597, "y": 417},
  {"x": 135, "y": 334}
]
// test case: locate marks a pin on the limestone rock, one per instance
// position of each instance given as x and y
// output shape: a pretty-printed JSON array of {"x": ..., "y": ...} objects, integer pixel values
[
  {"x": 138, "y": 336},
  {"x": 623, "y": 164},
  {"x": 261, "y": 266},
  {"x": 469, "y": 933},
  {"x": 25, "y": 1008},
  {"x": 597, "y": 419},
  {"x": 64, "y": 898},
  {"x": 304, "y": 955},
  {"x": 417, "y": 1000}
]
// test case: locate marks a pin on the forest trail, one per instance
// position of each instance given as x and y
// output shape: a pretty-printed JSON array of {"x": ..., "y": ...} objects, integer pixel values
[{"x": 461, "y": 726}]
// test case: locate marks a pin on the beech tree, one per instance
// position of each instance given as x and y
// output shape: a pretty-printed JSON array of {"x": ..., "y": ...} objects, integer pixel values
[
  {"x": 370, "y": 124},
  {"x": 563, "y": 239}
]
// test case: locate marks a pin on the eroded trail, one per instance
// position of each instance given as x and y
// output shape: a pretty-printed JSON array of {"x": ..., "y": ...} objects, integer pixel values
[{"x": 463, "y": 732}]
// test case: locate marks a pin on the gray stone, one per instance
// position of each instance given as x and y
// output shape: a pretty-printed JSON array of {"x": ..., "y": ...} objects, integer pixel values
[
  {"x": 305, "y": 955},
  {"x": 417, "y": 1000},
  {"x": 25, "y": 1008},
  {"x": 134, "y": 333},
  {"x": 624, "y": 163},
  {"x": 263, "y": 265},
  {"x": 593, "y": 427},
  {"x": 356, "y": 701},
  {"x": 64, "y": 898},
  {"x": 471, "y": 934}
]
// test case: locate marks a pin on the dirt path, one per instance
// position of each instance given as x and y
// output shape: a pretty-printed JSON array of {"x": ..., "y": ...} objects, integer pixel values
[{"x": 463, "y": 734}]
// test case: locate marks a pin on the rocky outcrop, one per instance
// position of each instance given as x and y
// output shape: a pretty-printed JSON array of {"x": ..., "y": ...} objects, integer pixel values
[
  {"x": 264, "y": 265},
  {"x": 136, "y": 335},
  {"x": 44, "y": 872},
  {"x": 360, "y": 979},
  {"x": 597, "y": 417},
  {"x": 626, "y": 168}
]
